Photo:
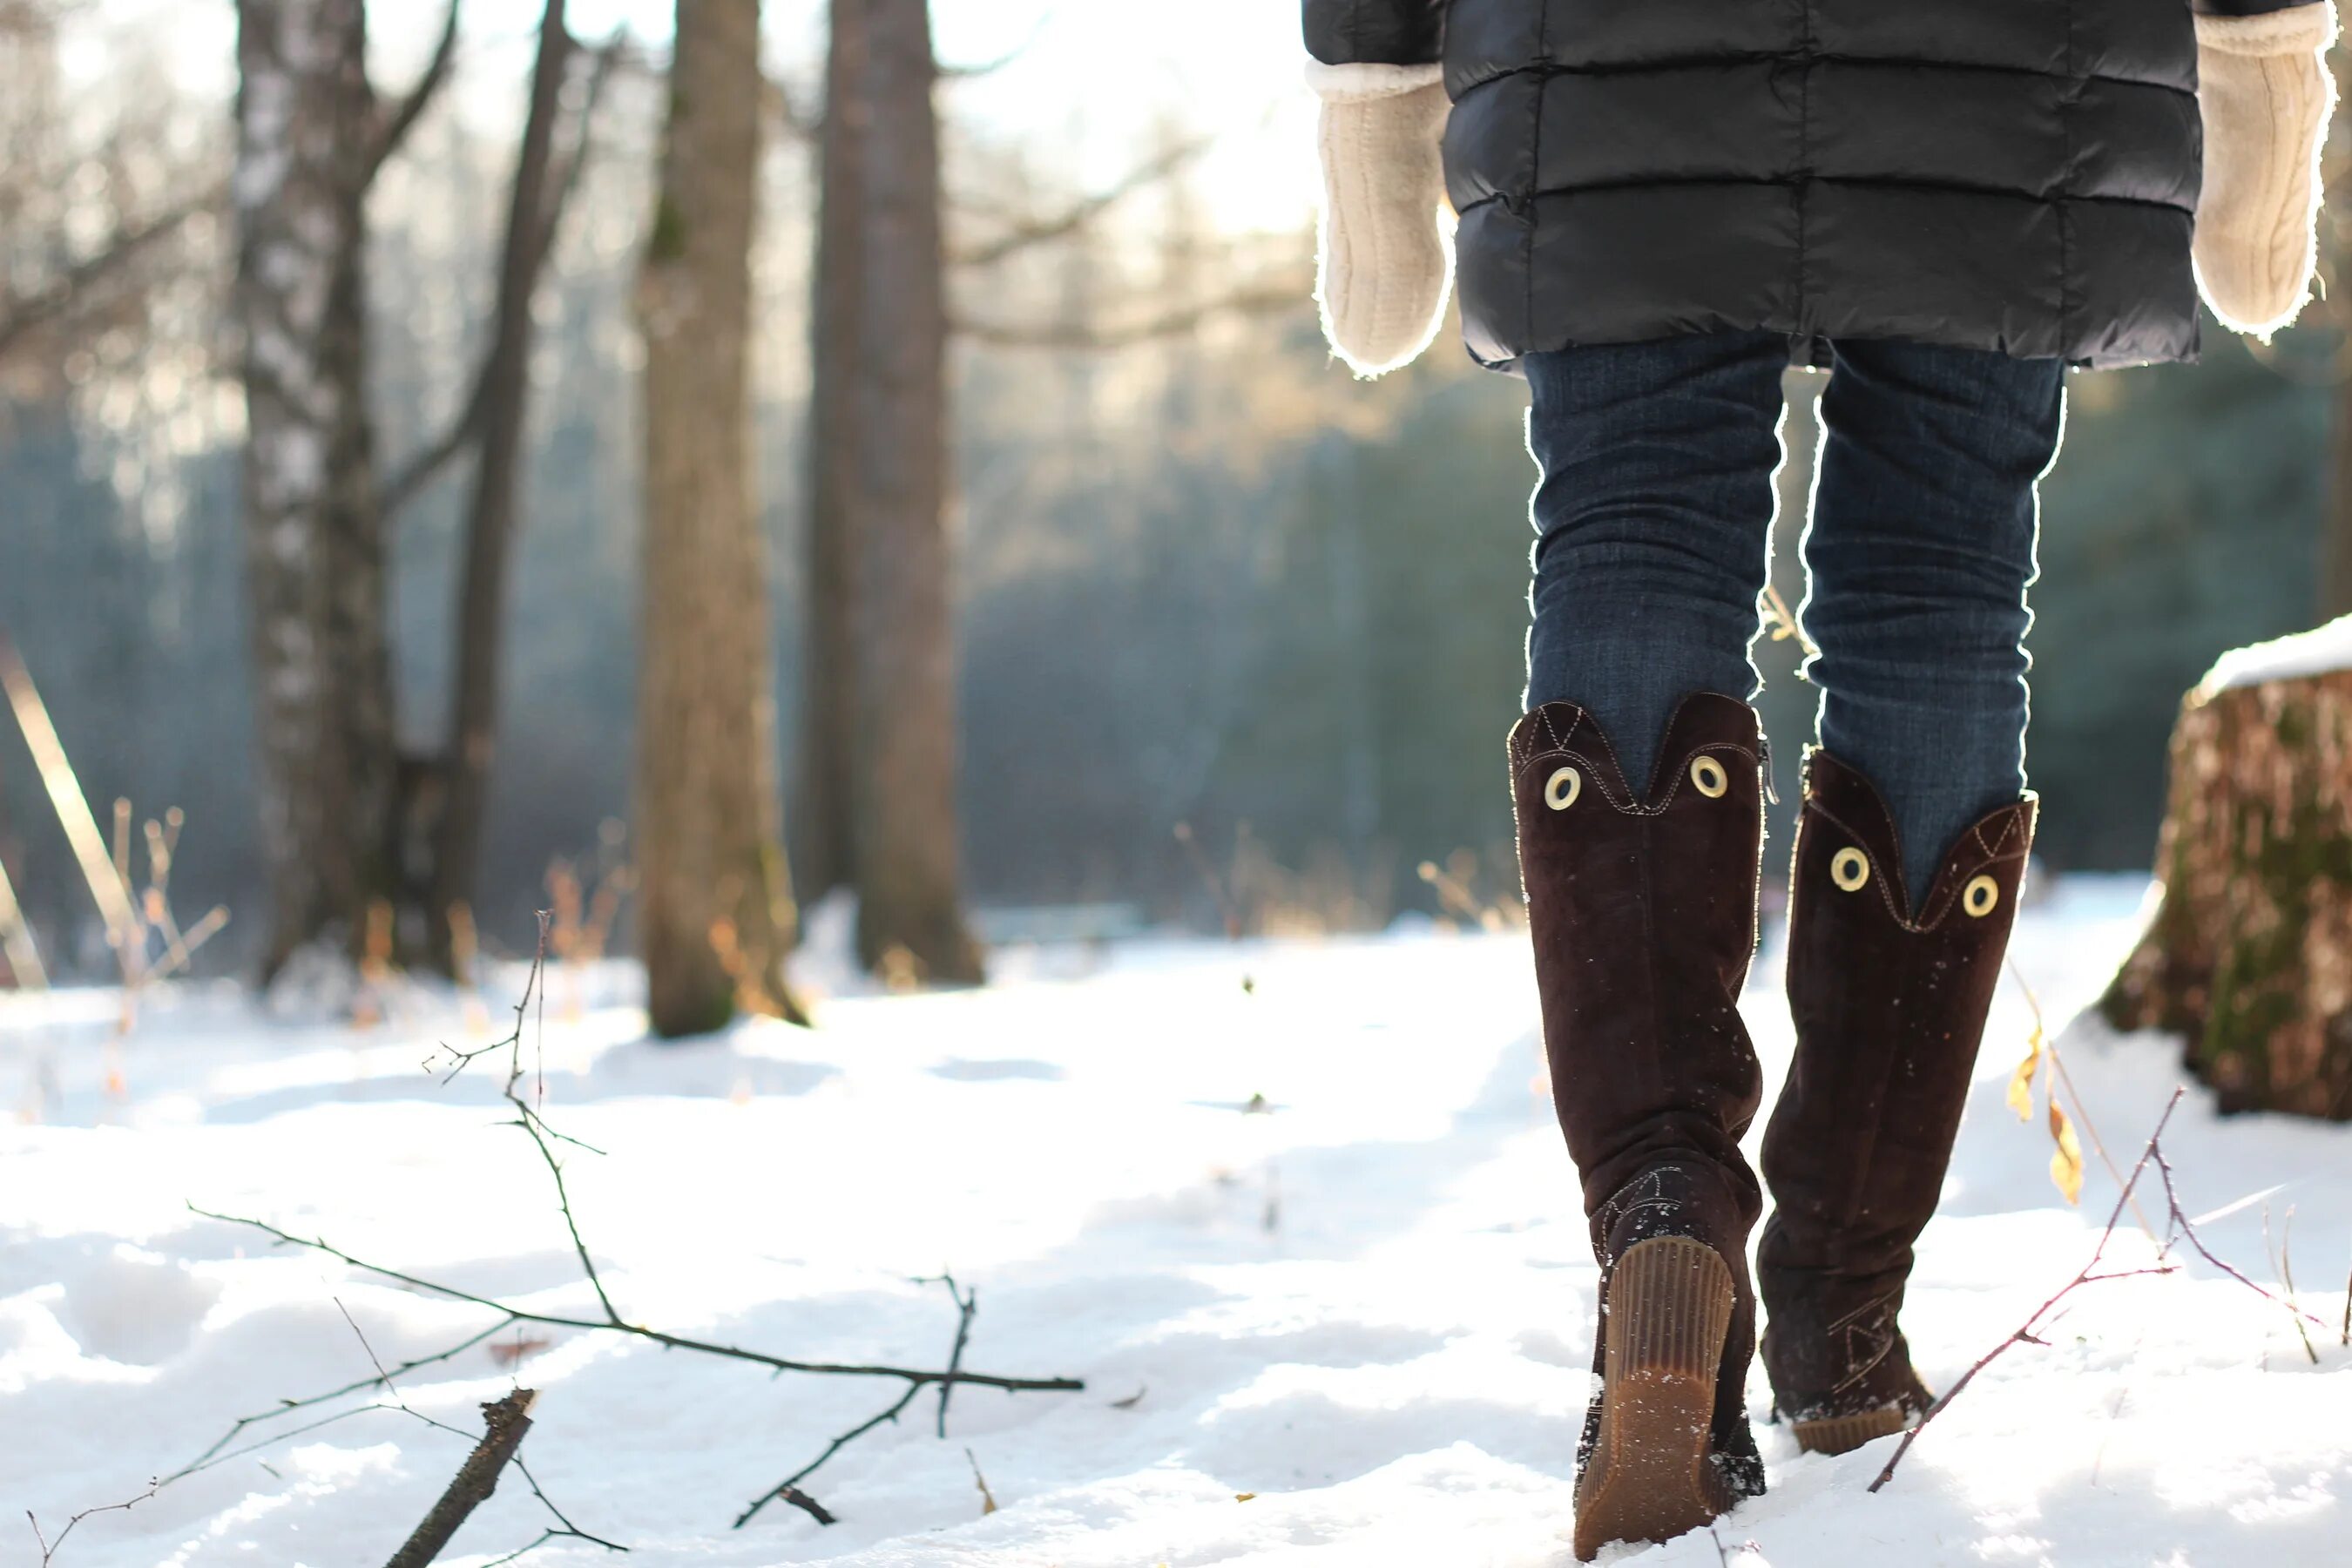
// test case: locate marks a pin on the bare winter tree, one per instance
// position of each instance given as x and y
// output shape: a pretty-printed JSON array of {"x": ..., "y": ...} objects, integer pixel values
[
  {"x": 309, "y": 140},
  {"x": 903, "y": 768},
  {"x": 714, "y": 904},
  {"x": 823, "y": 855},
  {"x": 444, "y": 817}
]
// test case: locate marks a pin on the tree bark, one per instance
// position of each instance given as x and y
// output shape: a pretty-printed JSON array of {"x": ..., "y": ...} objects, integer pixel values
[
  {"x": 824, "y": 856},
  {"x": 909, "y": 916},
  {"x": 2249, "y": 955},
  {"x": 314, "y": 540},
  {"x": 462, "y": 796},
  {"x": 714, "y": 907}
]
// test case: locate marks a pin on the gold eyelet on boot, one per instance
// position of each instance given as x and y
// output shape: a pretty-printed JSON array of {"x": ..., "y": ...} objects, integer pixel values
[
  {"x": 1981, "y": 896},
  {"x": 1850, "y": 870},
  {"x": 1562, "y": 788},
  {"x": 1708, "y": 778}
]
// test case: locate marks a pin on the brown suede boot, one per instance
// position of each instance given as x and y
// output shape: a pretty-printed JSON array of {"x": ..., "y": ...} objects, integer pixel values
[
  {"x": 1643, "y": 915},
  {"x": 1889, "y": 1009}
]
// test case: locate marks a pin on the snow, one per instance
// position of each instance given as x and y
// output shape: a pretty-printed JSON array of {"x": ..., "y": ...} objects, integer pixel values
[
  {"x": 1366, "y": 1305},
  {"x": 2315, "y": 652}
]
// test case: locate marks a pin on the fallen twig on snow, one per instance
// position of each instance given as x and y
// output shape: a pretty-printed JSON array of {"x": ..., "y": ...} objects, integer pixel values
[
  {"x": 967, "y": 1303},
  {"x": 504, "y": 1421},
  {"x": 545, "y": 1139},
  {"x": 2177, "y": 1228}
]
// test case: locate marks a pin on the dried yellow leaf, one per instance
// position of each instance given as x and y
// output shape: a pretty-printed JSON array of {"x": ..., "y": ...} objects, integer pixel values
[
  {"x": 2020, "y": 1082},
  {"x": 2067, "y": 1162},
  {"x": 1244, "y": 1497}
]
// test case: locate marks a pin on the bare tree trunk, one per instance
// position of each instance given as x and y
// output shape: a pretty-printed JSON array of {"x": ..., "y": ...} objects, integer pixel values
[
  {"x": 314, "y": 545},
  {"x": 714, "y": 906},
  {"x": 824, "y": 856},
  {"x": 464, "y": 783},
  {"x": 2249, "y": 956},
  {"x": 910, "y": 914}
]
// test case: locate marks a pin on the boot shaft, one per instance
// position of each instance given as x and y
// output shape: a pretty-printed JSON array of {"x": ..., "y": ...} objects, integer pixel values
[
  {"x": 1641, "y": 908},
  {"x": 1889, "y": 988}
]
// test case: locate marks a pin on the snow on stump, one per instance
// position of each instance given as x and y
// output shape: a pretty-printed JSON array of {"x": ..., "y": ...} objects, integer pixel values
[{"x": 2249, "y": 955}]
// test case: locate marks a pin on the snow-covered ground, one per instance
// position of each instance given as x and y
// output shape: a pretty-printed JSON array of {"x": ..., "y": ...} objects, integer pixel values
[{"x": 1297, "y": 1212}]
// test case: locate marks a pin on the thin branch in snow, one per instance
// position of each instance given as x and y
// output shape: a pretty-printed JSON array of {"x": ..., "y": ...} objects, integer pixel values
[
  {"x": 967, "y": 1303},
  {"x": 562, "y": 1530},
  {"x": 285, "y": 1407},
  {"x": 789, "y": 1491},
  {"x": 2025, "y": 1333},
  {"x": 545, "y": 1138},
  {"x": 967, "y": 1300},
  {"x": 2179, "y": 1226},
  {"x": 2185, "y": 1227}
]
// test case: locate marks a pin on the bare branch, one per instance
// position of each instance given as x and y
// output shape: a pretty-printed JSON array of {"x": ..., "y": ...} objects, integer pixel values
[
  {"x": 420, "y": 470},
  {"x": 2181, "y": 1223},
  {"x": 1030, "y": 233},
  {"x": 967, "y": 1303},
  {"x": 917, "y": 1376},
  {"x": 788, "y": 1489},
  {"x": 2025, "y": 1333},
  {"x": 287, "y": 1407},
  {"x": 416, "y": 101},
  {"x": 57, "y": 299},
  {"x": 49, "y": 1548},
  {"x": 1268, "y": 298},
  {"x": 601, "y": 61},
  {"x": 2178, "y": 1226},
  {"x": 424, "y": 467},
  {"x": 544, "y": 1138}
]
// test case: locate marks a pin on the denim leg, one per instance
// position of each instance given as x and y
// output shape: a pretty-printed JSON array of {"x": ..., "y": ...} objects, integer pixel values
[
  {"x": 1917, "y": 556},
  {"x": 1654, "y": 519}
]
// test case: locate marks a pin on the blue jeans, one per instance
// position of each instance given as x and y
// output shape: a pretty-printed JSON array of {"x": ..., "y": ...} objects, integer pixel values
[{"x": 1654, "y": 519}]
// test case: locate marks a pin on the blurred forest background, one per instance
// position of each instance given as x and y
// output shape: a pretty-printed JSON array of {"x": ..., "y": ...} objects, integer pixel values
[{"x": 1232, "y": 637}]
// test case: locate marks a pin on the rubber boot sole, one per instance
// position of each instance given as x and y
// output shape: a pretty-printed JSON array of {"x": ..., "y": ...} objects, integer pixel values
[
  {"x": 1650, "y": 1477},
  {"x": 1843, "y": 1434}
]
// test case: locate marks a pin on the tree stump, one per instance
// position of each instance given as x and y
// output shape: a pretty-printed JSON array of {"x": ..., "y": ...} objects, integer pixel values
[{"x": 2248, "y": 956}]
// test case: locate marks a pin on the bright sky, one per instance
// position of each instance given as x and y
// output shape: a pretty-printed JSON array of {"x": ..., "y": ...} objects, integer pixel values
[{"x": 1096, "y": 74}]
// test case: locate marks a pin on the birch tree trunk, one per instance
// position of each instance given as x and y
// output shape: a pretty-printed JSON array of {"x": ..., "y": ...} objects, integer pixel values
[
  {"x": 824, "y": 856},
  {"x": 314, "y": 544},
  {"x": 909, "y": 915},
  {"x": 714, "y": 913},
  {"x": 2249, "y": 956}
]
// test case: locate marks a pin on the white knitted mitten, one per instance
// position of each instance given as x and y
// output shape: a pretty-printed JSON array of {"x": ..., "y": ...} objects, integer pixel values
[
  {"x": 1386, "y": 247},
  {"x": 2265, "y": 95}
]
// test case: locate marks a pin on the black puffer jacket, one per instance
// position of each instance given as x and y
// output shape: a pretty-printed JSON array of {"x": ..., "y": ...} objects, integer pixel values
[{"x": 2009, "y": 174}]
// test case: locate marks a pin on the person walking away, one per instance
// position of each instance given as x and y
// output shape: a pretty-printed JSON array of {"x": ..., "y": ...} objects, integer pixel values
[{"x": 1655, "y": 208}]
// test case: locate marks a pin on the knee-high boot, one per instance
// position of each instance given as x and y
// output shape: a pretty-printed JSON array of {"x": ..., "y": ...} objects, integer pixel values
[
  {"x": 1889, "y": 990},
  {"x": 1642, "y": 912}
]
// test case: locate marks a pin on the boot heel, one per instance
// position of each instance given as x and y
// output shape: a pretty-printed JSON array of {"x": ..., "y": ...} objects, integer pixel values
[
  {"x": 1843, "y": 1434},
  {"x": 1650, "y": 1477}
]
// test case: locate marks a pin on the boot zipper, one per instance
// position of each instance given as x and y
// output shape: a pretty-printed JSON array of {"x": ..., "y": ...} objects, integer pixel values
[{"x": 1764, "y": 761}]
